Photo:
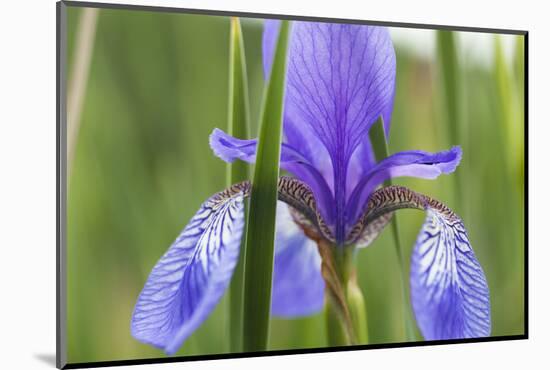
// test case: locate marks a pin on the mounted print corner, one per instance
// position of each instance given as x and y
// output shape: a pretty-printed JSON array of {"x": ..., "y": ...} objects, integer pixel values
[{"x": 233, "y": 184}]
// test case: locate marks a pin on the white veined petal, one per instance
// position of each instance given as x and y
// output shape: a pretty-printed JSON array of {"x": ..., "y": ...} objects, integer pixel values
[
  {"x": 188, "y": 281},
  {"x": 449, "y": 291}
]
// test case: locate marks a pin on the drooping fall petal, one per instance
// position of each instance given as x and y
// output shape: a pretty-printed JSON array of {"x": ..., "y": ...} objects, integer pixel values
[
  {"x": 188, "y": 281},
  {"x": 449, "y": 291}
]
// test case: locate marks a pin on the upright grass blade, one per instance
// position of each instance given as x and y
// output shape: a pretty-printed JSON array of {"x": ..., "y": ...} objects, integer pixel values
[
  {"x": 451, "y": 90},
  {"x": 84, "y": 48},
  {"x": 448, "y": 62},
  {"x": 238, "y": 126},
  {"x": 260, "y": 235},
  {"x": 381, "y": 151},
  {"x": 519, "y": 73},
  {"x": 509, "y": 108},
  {"x": 510, "y": 114},
  {"x": 519, "y": 66}
]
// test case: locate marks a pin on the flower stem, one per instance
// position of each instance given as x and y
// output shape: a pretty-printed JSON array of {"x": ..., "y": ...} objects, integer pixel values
[
  {"x": 358, "y": 310},
  {"x": 345, "y": 313},
  {"x": 336, "y": 331}
]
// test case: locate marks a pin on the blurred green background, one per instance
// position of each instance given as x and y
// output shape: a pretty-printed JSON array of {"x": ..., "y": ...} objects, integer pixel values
[{"x": 158, "y": 86}]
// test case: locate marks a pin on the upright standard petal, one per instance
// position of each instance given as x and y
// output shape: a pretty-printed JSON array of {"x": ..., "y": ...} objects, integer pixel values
[
  {"x": 346, "y": 71},
  {"x": 188, "y": 281},
  {"x": 341, "y": 78},
  {"x": 414, "y": 163},
  {"x": 449, "y": 291},
  {"x": 298, "y": 287}
]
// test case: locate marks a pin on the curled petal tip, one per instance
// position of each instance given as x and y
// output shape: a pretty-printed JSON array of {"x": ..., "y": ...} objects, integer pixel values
[
  {"x": 216, "y": 140},
  {"x": 444, "y": 162},
  {"x": 456, "y": 156},
  {"x": 230, "y": 148}
]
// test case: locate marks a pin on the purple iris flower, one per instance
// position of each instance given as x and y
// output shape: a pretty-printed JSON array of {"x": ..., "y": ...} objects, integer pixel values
[{"x": 340, "y": 81}]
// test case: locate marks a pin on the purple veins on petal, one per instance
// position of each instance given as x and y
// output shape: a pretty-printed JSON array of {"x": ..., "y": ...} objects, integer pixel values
[
  {"x": 449, "y": 292},
  {"x": 341, "y": 78},
  {"x": 188, "y": 281},
  {"x": 298, "y": 287}
]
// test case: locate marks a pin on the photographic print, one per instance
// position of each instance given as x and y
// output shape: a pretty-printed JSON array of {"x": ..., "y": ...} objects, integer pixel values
[{"x": 245, "y": 184}]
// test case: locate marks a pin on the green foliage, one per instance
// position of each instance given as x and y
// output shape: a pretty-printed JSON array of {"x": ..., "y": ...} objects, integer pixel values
[
  {"x": 260, "y": 236},
  {"x": 450, "y": 79},
  {"x": 238, "y": 126},
  {"x": 450, "y": 88},
  {"x": 381, "y": 151}
]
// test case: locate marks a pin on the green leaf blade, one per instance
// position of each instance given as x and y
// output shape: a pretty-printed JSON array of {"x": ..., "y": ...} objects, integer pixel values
[
  {"x": 509, "y": 85},
  {"x": 448, "y": 62},
  {"x": 381, "y": 151},
  {"x": 453, "y": 104},
  {"x": 260, "y": 236},
  {"x": 238, "y": 126}
]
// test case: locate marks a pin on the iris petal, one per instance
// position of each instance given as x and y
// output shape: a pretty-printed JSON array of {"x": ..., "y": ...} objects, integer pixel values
[
  {"x": 340, "y": 79},
  {"x": 449, "y": 291},
  {"x": 188, "y": 281},
  {"x": 298, "y": 287},
  {"x": 229, "y": 148},
  {"x": 361, "y": 162},
  {"x": 340, "y": 76},
  {"x": 414, "y": 163}
]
